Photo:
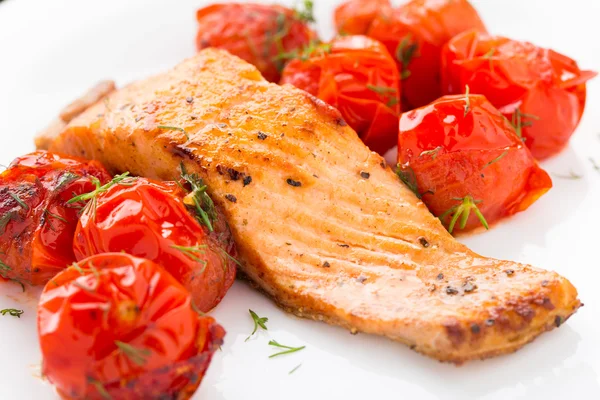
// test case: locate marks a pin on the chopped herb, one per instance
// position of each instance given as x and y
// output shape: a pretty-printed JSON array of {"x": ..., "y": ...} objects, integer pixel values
[
  {"x": 305, "y": 11},
  {"x": 287, "y": 350},
  {"x": 594, "y": 165},
  {"x": 199, "y": 199},
  {"x": 100, "y": 389},
  {"x": 490, "y": 53},
  {"x": 409, "y": 178},
  {"x": 50, "y": 214},
  {"x": 4, "y": 220},
  {"x": 381, "y": 90},
  {"x": 314, "y": 48},
  {"x": 192, "y": 252},
  {"x": 3, "y": 268},
  {"x": 433, "y": 153},
  {"x": 392, "y": 102},
  {"x": 258, "y": 322},
  {"x": 12, "y": 311},
  {"x": 462, "y": 211},
  {"x": 293, "y": 183},
  {"x": 136, "y": 355},
  {"x": 572, "y": 176},
  {"x": 65, "y": 179},
  {"x": 467, "y": 101},
  {"x": 405, "y": 52},
  {"x": 518, "y": 123},
  {"x": 18, "y": 200},
  {"x": 495, "y": 160},
  {"x": 123, "y": 179},
  {"x": 294, "y": 369},
  {"x": 174, "y": 128}
]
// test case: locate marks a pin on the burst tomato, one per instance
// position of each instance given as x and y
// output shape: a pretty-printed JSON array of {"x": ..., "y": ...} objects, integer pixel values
[
  {"x": 542, "y": 92},
  {"x": 120, "y": 327},
  {"x": 149, "y": 219},
  {"x": 260, "y": 34},
  {"x": 415, "y": 34},
  {"x": 358, "y": 76},
  {"x": 36, "y": 222},
  {"x": 354, "y": 17},
  {"x": 466, "y": 161}
]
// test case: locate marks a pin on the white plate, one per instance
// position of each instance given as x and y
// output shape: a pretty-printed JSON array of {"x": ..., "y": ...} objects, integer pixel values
[{"x": 51, "y": 51}]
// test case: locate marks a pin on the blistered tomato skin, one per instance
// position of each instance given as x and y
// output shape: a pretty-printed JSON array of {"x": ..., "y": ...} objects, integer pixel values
[
  {"x": 355, "y": 17},
  {"x": 460, "y": 148},
  {"x": 260, "y": 34},
  {"x": 116, "y": 326},
  {"x": 540, "y": 91},
  {"x": 358, "y": 76},
  {"x": 414, "y": 34},
  {"x": 36, "y": 222},
  {"x": 149, "y": 219}
]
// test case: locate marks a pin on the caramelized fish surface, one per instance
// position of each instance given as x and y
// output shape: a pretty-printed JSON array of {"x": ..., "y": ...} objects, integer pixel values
[{"x": 323, "y": 226}]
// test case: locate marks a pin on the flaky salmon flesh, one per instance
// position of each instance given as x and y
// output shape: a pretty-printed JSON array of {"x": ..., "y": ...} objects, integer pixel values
[{"x": 322, "y": 224}]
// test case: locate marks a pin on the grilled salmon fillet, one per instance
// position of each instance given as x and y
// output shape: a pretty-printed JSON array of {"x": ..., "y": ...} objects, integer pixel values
[{"x": 322, "y": 224}]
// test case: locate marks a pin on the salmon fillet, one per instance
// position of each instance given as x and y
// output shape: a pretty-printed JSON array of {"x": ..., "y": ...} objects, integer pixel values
[{"x": 322, "y": 224}]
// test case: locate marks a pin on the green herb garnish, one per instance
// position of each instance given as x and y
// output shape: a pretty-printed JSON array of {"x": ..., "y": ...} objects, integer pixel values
[
  {"x": 18, "y": 200},
  {"x": 136, "y": 355},
  {"x": 518, "y": 123},
  {"x": 462, "y": 211},
  {"x": 123, "y": 179},
  {"x": 572, "y": 176},
  {"x": 192, "y": 252},
  {"x": 4, "y": 220},
  {"x": 495, "y": 160},
  {"x": 199, "y": 199},
  {"x": 287, "y": 350},
  {"x": 594, "y": 164},
  {"x": 382, "y": 90},
  {"x": 405, "y": 52},
  {"x": 65, "y": 179},
  {"x": 408, "y": 177},
  {"x": 305, "y": 12},
  {"x": 100, "y": 388},
  {"x": 258, "y": 322},
  {"x": 12, "y": 311},
  {"x": 294, "y": 369},
  {"x": 174, "y": 128}
]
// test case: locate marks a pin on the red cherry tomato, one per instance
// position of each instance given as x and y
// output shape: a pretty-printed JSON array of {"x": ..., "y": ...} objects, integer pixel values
[
  {"x": 358, "y": 76},
  {"x": 464, "y": 158},
  {"x": 415, "y": 33},
  {"x": 36, "y": 223},
  {"x": 260, "y": 34},
  {"x": 354, "y": 17},
  {"x": 149, "y": 219},
  {"x": 120, "y": 327},
  {"x": 542, "y": 92}
]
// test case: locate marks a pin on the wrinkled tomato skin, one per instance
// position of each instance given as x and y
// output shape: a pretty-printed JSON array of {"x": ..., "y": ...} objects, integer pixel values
[
  {"x": 257, "y": 33},
  {"x": 36, "y": 241},
  {"x": 548, "y": 87},
  {"x": 355, "y": 17},
  {"x": 454, "y": 155},
  {"x": 358, "y": 77},
  {"x": 113, "y": 297},
  {"x": 147, "y": 219},
  {"x": 428, "y": 24}
]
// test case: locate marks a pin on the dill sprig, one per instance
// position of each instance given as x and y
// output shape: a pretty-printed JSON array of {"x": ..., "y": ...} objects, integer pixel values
[
  {"x": 408, "y": 177},
  {"x": 382, "y": 90},
  {"x": 305, "y": 11},
  {"x": 518, "y": 123},
  {"x": 12, "y": 311},
  {"x": 206, "y": 213},
  {"x": 405, "y": 52},
  {"x": 462, "y": 211},
  {"x": 313, "y": 48},
  {"x": 495, "y": 160},
  {"x": 174, "y": 128},
  {"x": 66, "y": 178},
  {"x": 4, "y": 220},
  {"x": 18, "y": 200},
  {"x": 258, "y": 322},
  {"x": 100, "y": 388},
  {"x": 123, "y": 179},
  {"x": 295, "y": 369},
  {"x": 192, "y": 252},
  {"x": 572, "y": 176},
  {"x": 136, "y": 355},
  {"x": 288, "y": 349}
]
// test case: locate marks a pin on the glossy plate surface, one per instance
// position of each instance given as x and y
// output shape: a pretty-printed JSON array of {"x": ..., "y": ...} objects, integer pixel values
[{"x": 51, "y": 51}]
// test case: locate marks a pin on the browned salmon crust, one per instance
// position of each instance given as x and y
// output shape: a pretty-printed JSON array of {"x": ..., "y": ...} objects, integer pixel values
[{"x": 322, "y": 224}]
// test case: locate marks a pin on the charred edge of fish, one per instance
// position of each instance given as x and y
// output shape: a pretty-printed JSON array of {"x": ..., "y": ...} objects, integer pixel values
[
  {"x": 365, "y": 175},
  {"x": 182, "y": 151},
  {"x": 261, "y": 135},
  {"x": 423, "y": 242},
  {"x": 293, "y": 183},
  {"x": 231, "y": 198}
]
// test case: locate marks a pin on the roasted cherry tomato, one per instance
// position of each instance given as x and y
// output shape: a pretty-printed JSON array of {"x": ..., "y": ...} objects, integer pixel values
[
  {"x": 260, "y": 34},
  {"x": 542, "y": 92},
  {"x": 36, "y": 222},
  {"x": 415, "y": 34},
  {"x": 354, "y": 17},
  {"x": 463, "y": 157},
  {"x": 149, "y": 219},
  {"x": 114, "y": 326},
  {"x": 358, "y": 76}
]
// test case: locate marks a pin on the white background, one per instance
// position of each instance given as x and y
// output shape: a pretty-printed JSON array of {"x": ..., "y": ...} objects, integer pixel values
[{"x": 52, "y": 50}]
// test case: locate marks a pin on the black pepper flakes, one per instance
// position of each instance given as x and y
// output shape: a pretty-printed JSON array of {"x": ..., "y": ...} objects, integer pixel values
[
  {"x": 545, "y": 283},
  {"x": 247, "y": 180},
  {"x": 189, "y": 99},
  {"x": 558, "y": 320},
  {"x": 475, "y": 329},
  {"x": 361, "y": 279},
  {"x": 293, "y": 183},
  {"x": 469, "y": 287},
  {"x": 365, "y": 175},
  {"x": 440, "y": 276},
  {"x": 326, "y": 265},
  {"x": 490, "y": 322},
  {"x": 233, "y": 174},
  {"x": 423, "y": 242},
  {"x": 261, "y": 135},
  {"x": 138, "y": 118},
  {"x": 451, "y": 291},
  {"x": 509, "y": 272},
  {"x": 344, "y": 245},
  {"x": 231, "y": 198}
]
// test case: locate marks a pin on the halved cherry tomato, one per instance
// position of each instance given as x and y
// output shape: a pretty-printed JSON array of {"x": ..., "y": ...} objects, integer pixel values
[
  {"x": 115, "y": 326},
  {"x": 415, "y": 34},
  {"x": 149, "y": 219},
  {"x": 463, "y": 157},
  {"x": 358, "y": 76},
  {"x": 260, "y": 34},
  {"x": 542, "y": 92},
  {"x": 36, "y": 222},
  {"x": 354, "y": 17}
]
